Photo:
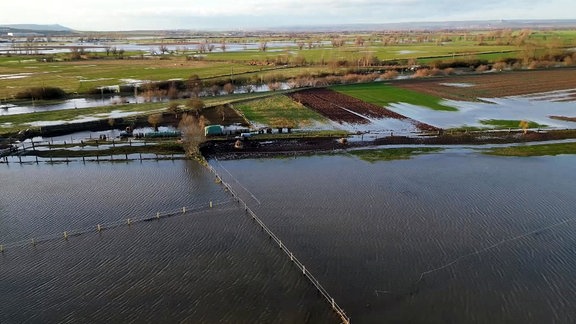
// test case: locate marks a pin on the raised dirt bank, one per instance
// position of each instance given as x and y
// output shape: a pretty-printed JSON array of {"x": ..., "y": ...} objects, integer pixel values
[{"x": 254, "y": 148}]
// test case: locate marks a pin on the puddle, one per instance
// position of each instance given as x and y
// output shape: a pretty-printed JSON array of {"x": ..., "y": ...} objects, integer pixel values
[
  {"x": 457, "y": 85},
  {"x": 14, "y": 76},
  {"x": 404, "y": 52}
]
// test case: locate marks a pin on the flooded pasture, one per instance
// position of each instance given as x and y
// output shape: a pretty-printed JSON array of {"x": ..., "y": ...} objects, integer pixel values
[
  {"x": 537, "y": 107},
  {"x": 454, "y": 236}
]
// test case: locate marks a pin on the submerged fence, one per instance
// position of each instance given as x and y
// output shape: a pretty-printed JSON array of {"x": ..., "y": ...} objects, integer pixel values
[
  {"x": 339, "y": 311},
  {"x": 4, "y": 247},
  {"x": 91, "y": 152}
]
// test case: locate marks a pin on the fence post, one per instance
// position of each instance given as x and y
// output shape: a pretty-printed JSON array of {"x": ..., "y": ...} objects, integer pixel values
[
  {"x": 66, "y": 236},
  {"x": 210, "y": 203},
  {"x": 158, "y": 215},
  {"x": 99, "y": 228},
  {"x": 183, "y": 210}
]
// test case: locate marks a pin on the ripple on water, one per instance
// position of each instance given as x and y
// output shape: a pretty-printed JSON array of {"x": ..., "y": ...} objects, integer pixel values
[{"x": 369, "y": 230}]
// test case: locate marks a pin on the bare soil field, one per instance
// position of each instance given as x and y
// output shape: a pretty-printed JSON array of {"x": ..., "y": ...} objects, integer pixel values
[
  {"x": 345, "y": 109},
  {"x": 494, "y": 85}
]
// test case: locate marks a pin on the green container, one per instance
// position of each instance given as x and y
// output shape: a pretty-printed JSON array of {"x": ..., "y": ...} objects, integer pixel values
[{"x": 213, "y": 130}]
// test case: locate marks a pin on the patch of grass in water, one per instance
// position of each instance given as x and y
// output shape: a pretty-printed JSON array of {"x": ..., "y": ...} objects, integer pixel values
[
  {"x": 384, "y": 94},
  {"x": 534, "y": 150},
  {"x": 391, "y": 154},
  {"x": 508, "y": 123}
]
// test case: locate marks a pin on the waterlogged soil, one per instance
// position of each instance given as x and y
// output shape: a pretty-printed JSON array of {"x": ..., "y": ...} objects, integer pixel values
[
  {"x": 494, "y": 84},
  {"x": 342, "y": 108}
]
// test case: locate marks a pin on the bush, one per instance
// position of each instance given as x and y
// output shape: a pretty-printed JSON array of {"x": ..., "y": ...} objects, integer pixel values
[{"x": 42, "y": 93}]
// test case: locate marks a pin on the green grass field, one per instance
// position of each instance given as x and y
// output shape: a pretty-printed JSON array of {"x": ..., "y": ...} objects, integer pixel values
[
  {"x": 505, "y": 123},
  {"x": 279, "y": 110},
  {"x": 383, "y": 94},
  {"x": 402, "y": 153},
  {"x": 101, "y": 70},
  {"x": 534, "y": 150}
]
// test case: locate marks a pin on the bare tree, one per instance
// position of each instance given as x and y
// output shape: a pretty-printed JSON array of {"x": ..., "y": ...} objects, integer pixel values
[
  {"x": 338, "y": 42},
  {"x": 172, "y": 91},
  {"x": 221, "y": 111},
  {"x": 196, "y": 105},
  {"x": 229, "y": 88},
  {"x": 263, "y": 46},
  {"x": 215, "y": 89},
  {"x": 192, "y": 129},
  {"x": 194, "y": 85},
  {"x": 155, "y": 120},
  {"x": 273, "y": 86},
  {"x": 174, "y": 107},
  {"x": 163, "y": 49}
]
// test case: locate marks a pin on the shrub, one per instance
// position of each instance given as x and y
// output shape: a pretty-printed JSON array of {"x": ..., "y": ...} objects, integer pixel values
[{"x": 42, "y": 93}]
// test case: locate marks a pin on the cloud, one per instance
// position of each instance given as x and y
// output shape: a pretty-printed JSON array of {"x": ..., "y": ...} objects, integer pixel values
[{"x": 225, "y": 14}]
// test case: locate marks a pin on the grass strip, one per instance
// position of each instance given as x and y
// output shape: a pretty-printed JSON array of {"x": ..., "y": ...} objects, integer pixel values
[
  {"x": 534, "y": 150},
  {"x": 390, "y": 154}
]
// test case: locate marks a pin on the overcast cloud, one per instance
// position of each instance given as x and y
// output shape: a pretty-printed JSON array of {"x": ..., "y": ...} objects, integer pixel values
[{"x": 241, "y": 14}]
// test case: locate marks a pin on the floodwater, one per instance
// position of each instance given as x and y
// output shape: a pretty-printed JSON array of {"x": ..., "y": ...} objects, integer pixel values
[
  {"x": 537, "y": 107},
  {"x": 76, "y": 103},
  {"x": 199, "y": 267},
  {"x": 498, "y": 231},
  {"x": 90, "y": 102}
]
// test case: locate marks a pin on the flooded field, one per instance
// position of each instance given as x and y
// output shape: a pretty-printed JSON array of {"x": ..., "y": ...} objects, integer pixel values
[
  {"x": 536, "y": 107},
  {"x": 453, "y": 236},
  {"x": 490, "y": 237}
]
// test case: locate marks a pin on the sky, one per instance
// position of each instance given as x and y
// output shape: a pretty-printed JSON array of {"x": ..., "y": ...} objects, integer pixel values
[{"x": 110, "y": 15}]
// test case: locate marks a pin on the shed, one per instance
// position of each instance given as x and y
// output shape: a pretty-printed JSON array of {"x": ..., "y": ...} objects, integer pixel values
[{"x": 213, "y": 130}]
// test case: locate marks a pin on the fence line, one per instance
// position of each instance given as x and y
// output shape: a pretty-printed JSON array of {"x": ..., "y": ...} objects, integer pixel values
[
  {"x": 95, "y": 158},
  {"x": 109, "y": 225},
  {"x": 339, "y": 311},
  {"x": 17, "y": 154}
]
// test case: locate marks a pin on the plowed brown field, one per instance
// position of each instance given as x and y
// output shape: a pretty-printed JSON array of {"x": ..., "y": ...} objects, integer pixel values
[
  {"x": 495, "y": 85},
  {"x": 345, "y": 109}
]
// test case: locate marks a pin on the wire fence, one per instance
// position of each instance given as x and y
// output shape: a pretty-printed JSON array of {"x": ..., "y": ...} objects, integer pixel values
[
  {"x": 339, "y": 311},
  {"x": 91, "y": 151},
  {"x": 96, "y": 228}
]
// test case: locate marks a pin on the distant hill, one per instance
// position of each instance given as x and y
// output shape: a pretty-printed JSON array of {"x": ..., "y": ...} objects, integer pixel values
[{"x": 36, "y": 28}]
